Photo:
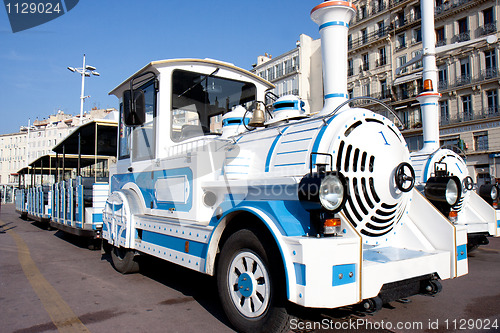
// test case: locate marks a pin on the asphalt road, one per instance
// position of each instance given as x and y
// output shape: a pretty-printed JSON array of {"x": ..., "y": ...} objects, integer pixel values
[{"x": 50, "y": 281}]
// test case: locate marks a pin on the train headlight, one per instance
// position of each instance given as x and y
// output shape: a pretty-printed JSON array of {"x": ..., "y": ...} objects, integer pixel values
[
  {"x": 443, "y": 189},
  {"x": 489, "y": 192},
  {"x": 494, "y": 193},
  {"x": 327, "y": 190},
  {"x": 331, "y": 192},
  {"x": 451, "y": 192}
]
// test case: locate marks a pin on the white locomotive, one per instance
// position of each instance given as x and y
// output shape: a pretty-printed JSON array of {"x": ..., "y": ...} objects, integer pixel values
[
  {"x": 441, "y": 173},
  {"x": 318, "y": 210}
]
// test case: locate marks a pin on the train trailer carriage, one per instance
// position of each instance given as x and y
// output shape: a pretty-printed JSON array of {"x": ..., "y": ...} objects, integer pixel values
[
  {"x": 20, "y": 201},
  {"x": 316, "y": 210},
  {"x": 79, "y": 196},
  {"x": 34, "y": 198}
]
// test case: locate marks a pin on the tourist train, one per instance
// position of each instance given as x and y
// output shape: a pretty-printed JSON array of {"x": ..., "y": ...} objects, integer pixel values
[{"x": 282, "y": 206}]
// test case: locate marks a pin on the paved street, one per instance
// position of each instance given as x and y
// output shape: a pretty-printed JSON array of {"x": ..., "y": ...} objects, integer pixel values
[{"x": 48, "y": 278}]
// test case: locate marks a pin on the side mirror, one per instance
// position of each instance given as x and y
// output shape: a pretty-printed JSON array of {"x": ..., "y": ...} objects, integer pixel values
[{"x": 134, "y": 107}]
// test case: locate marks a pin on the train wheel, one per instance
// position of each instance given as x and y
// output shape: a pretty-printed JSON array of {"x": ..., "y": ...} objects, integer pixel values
[
  {"x": 249, "y": 287},
  {"x": 124, "y": 260}
]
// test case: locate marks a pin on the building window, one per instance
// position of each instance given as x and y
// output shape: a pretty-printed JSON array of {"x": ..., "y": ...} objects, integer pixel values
[
  {"x": 363, "y": 12},
  {"x": 492, "y": 102},
  {"x": 366, "y": 62},
  {"x": 295, "y": 61},
  {"x": 450, "y": 141},
  {"x": 364, "y": 36},
  {"x": 349, "y": 41},
  {"x": 270, "y": 73},
  {"x": 401, "y": 41},
  {"x": 415, "y": 142},
  {"x": 481, "y": 141},
  {"x": 490, "y": 60},
  {"x": 381, "y": 28},
  {"x": 489, "y": 22},
  {"x": 463, "y": 30},
  {"x": 418, "y": 13},
  {"x": 382, "y": 59},
  {"x": 467, "y": 107},
  {"x": 279, "y": 69},
  {"x": 464, "y": 71},
  {"x": 443, "y": 77},
  {"x": 400, "y": 19},
  {"x": 419, "y": 63},
  {"x": 445, "y": 112},
  {"x": 350, "y": 67},
  {"x": 350, "y": 92},
  {"x": 380, "y": 5},
  {"x": 384, "y": 92},
  {"x": 366, "y": 89},
  {"x": 401, "y": 62},
  {"x": 417, "y": 35}
]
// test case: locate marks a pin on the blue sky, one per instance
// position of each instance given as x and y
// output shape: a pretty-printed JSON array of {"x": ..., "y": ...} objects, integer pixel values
[{"x": 120, "y": 37}]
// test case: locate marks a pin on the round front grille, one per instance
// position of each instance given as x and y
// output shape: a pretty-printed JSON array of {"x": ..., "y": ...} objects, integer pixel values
[{"x": 368, "y": 153}]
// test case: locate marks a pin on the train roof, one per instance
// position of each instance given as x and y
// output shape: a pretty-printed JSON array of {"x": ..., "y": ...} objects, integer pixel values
[
  {"x": 154, "y": 65},
  {"x": 98, "y": 137}
]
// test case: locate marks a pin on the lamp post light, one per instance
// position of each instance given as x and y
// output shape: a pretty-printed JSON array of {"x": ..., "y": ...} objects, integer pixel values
[{"x": 86, "y": 70}]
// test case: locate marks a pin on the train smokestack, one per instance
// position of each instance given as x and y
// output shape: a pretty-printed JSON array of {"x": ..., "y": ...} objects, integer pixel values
[
  {"x": 429, "y": 98},
  {"x": 333, "y": 18}
]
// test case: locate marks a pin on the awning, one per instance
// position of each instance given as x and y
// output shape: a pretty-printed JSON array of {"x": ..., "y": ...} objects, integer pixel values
[{"x": 407, "y": 78}]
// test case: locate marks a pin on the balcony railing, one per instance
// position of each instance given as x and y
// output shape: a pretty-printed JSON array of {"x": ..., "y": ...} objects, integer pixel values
[
  {"x": 490, "y": 112},
  {"x": 463, "y": 80},
  {"x": 485, "y": 74},
  {"x": 444, "y": 120},
  {"x": 368, "y": 38},
  {"x": 441, "y": 42},
  {"x": 449, "y": 5},
  {"x": 488, "y": 29},
  {"x": 461, "y": 37},
  {"x": 443, "y": 85},
  {"x": 488, "y": 73}
]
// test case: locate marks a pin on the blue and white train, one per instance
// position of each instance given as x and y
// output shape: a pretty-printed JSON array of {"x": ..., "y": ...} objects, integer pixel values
[
  {"x": 317, "y": 210},
  {"x": 282, "y": 207}
]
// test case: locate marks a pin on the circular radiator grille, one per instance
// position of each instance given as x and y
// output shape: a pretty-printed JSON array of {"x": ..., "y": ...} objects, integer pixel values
[{"x": 368, "y": 154}]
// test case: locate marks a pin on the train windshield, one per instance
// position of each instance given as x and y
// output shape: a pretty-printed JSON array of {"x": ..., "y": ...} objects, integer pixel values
[{"x": 200, "y": 100}]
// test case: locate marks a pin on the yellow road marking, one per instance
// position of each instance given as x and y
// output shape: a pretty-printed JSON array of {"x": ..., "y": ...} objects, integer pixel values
[{"x": 59, "y": 311}]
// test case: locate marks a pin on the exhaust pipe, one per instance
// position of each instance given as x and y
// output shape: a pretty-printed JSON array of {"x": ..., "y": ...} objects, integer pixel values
[
  {"x": 333, "y": 18},
  {"x": 429, "y": 98}
]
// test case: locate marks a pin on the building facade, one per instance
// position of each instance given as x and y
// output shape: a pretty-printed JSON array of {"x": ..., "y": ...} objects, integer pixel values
[
  {"x": 384, "y": 35},
  {"x": 297, "y": 72}
]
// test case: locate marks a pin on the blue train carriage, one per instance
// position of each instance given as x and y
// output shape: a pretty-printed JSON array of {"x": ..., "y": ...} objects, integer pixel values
[
  {"x": 20, "y": 201},
  {"x": 282, "y": 207},
  {"x": 34, "y": 199},
  {"x": 82, "y": 185}
]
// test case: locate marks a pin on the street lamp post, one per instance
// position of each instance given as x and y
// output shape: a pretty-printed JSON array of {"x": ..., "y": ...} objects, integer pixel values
[{"x": 86, "y": 70}]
